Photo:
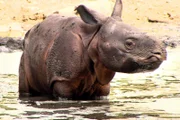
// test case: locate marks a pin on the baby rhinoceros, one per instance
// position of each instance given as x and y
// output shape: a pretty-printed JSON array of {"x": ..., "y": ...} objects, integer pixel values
[{"x": 77, "y": 57}]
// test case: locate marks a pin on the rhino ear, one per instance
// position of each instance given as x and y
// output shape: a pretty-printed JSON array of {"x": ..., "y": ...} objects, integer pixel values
[
  {"x": 117, "y": 11},
  {"x": 89, "y": 16}
]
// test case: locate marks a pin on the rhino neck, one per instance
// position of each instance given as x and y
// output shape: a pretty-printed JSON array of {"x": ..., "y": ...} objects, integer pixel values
[
  {"x": 103, "y": 74},
  {"x": 87, "y": 33}
]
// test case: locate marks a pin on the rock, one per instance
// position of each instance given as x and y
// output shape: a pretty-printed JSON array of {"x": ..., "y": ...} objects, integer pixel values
[
  {"x": 171, "y": 44},
  {"x": 9, "y": 44},
  {"x": 14, "y": 44},
  {"x": 155, "y": 21},
  {"x": 171, "y": 41},
  {"x": 5, "y": 49},
  {"x": 3, "y": 41}
]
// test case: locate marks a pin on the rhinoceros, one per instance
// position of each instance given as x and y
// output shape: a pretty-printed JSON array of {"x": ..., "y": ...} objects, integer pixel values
[{"x": 77, "y": 57}]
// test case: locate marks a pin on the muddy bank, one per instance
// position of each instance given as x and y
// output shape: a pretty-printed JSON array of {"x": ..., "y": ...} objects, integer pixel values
[
  {"x": 160, "y": 18},
  {"x": 10, "y": 44}
]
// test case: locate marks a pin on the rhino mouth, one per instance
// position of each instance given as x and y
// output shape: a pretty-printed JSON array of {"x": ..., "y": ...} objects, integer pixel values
[
  {"x": 141, "y": 65},
  {"x": 148, "y": 67}
]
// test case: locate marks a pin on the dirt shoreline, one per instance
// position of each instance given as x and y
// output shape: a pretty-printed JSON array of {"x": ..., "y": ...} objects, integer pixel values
[
  {"x": 17, "y": 16},
  {"x": 159, "y": 18}
]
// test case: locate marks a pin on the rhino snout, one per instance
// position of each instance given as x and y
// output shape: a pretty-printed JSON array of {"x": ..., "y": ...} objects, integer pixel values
[
  {"x": 153, "y": 58},
  {"x": 161, "y": 56}
]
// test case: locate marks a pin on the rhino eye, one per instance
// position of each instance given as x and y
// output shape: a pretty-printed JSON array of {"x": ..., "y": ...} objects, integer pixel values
[{"x": 129, "y": 44}]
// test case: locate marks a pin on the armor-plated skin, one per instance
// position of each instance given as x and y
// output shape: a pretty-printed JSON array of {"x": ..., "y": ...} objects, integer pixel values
[{"x": 77, "y": 58}]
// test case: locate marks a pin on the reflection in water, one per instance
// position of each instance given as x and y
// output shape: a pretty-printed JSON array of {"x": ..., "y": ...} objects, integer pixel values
[{"x": 153, "y": 95}]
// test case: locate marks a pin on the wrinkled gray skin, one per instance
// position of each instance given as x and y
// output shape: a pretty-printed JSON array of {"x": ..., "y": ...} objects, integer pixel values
[{"x": 76, "y": 58}]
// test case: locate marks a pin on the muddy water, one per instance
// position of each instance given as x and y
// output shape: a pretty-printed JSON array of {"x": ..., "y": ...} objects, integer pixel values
[{"x": 142, "y": 96}]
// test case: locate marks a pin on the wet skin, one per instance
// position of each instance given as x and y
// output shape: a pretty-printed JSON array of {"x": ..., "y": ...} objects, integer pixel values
[{"x": 76, "y": 58}]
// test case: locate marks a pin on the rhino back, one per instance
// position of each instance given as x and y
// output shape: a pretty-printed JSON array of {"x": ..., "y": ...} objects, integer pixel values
[{"x": 55, "y": 47}]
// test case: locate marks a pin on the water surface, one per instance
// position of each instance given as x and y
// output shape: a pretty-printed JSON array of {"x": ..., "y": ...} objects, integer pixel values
[{"x": 154, "y": 95}]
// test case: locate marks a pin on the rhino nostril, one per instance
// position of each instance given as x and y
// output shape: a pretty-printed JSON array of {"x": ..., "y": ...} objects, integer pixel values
[{"x": 157, "y": 53}]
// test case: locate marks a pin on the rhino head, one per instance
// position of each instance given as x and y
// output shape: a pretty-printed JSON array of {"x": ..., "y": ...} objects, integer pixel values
[{"x": 119, "y": 46}]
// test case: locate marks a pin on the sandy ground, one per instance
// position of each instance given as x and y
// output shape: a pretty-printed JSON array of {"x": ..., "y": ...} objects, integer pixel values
[{"x": 17, "y": 16}]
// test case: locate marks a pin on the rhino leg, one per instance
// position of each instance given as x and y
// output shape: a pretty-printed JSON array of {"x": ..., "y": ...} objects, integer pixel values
[
  {"x": 101, "y": 90},
  {"x": 97, "y": 91},
  {"x": 63, "y": 89},
  {"x": 25, "y": 76},
  {"x": 66, "y": 89},
  {"x": 23, "y": 85}
]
